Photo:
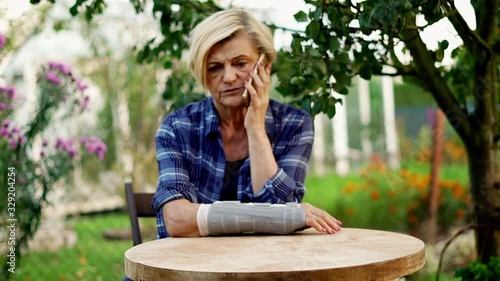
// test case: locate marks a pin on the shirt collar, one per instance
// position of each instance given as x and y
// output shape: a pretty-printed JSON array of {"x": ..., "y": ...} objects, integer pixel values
[{"x": 211, "y": 119}]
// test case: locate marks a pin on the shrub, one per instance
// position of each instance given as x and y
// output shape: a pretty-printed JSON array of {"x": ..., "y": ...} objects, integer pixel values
[
  {"x": 33, "y": 157},
  {"x": 479, "y": 271},
  {"x": 397, "y": 200}
]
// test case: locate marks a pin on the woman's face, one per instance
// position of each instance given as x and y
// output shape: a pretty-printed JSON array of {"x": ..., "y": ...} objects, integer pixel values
[{"x": 228, "y": 66}]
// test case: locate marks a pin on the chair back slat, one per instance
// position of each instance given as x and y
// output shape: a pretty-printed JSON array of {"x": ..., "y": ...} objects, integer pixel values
[
  {"x": 143, "y": 204},
  {"x": 138, "y": 205}
]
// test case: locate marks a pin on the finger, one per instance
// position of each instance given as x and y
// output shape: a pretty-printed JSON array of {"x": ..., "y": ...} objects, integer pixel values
[
  {"x": 328, "y": 226},
  {"x": 312, "y": 222},
  {"x": 257, "y": 80},
  {"x": 333, "y": 224},
  {"x": 329, "y": 222},
  {"x": 251, "y": 90},
  {"x": 264, "y": 73}
]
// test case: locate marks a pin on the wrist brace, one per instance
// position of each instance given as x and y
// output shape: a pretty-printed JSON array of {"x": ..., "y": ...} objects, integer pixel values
[{"x": 232, "y": 217}]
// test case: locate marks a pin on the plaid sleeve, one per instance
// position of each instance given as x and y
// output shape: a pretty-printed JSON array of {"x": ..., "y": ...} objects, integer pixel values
[
  {"x": 173, "y": 177},
  {"x": 292, "y": 153}
]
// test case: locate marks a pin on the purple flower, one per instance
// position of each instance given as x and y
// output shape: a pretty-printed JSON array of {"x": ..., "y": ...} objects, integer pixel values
[
  {"x": 66, "y": 145},
  {"x": 3, "y": 41},
  {"x": 94, "y": 145},
  {"x": 6, "y": 123},
  {"x": 73, "y": 153},
  {"x": 52, "y": 78},
  {"x": 45, "y": 143},
  {"x": 3, "y": 106},
  {"x": 84, "y": 103},
  {"x": 4, "y": 132},
  {"x": 42, "y": 154},
  {"x": 61, "y": 67},
  {"x": 13, "y": 143},
  {"x": 9, "y": 90},
  {"x": 81, "y": 86}
]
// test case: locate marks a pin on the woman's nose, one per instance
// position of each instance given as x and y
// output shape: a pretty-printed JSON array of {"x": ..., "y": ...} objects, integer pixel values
[{"x": 229, "y": 74}]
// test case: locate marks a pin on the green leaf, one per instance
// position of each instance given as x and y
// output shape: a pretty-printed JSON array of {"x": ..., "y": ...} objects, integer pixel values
[
  {"x": 342, "y": 58},
  {"x": 73, "y": 10},
  {"x": 300, "y": 16},
  {"x": 331, "y": 108},
  {"x": 296, "y": 44},
  {"x": 306, "y": 104},
  {"x": 297, "y": 80},
  {"x": 167, "y": 64},
  {"x": 317, "y": 13},
  {"x": 318, "y": 106},
  {"x": 439, "y": 54},
  {"x": 312, "y": 29},
  {"x": 314, "y": 53},
  {"x": 365, "y": 72},
  {"x": 334, "y": 44}
]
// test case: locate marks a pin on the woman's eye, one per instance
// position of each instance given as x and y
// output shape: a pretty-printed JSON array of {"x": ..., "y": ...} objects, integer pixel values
[
  {"x": 214, "y": 68},
  {"x": 242, "y": 64}
]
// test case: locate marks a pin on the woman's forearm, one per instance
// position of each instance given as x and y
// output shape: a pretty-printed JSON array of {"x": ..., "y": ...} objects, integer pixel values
[
  {"x": 263, "y": 165},
  {"x": 180, "y": 218}
]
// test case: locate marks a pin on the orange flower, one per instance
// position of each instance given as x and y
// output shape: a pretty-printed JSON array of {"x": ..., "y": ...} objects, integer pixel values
[
  {"x": 375, "y": 195},
  {"x": 421, "y": 182},
  {"x": 404, "y": 173},
  {"x": 349, "y": 188},
  {"x": 391, "y": 194},
  {"x": 412, "y": 218},
  {"x": 458, "y": 191},
  {"x": 393, "y": 209},
  {"x": 424, "y": 195},
  {"x": 350, "y": 211},
  {"x": 412, "y": 206}
]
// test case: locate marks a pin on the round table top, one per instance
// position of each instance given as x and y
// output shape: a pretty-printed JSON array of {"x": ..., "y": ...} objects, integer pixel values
[{"x": 351, "y": 254}]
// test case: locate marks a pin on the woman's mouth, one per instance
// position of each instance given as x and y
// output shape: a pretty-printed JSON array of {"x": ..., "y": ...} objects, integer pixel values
[{"x": 232, "y": 91}]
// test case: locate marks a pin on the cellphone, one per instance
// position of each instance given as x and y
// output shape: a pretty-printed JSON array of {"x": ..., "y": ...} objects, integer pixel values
[{"x": 245, "y": 96}]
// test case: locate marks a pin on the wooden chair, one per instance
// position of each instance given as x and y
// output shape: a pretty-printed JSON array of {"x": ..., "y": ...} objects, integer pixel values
[{"x": 138, "y": 205}]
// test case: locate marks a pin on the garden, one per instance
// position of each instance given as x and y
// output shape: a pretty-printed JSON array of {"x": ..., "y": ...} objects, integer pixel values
[{"x": 74, "y": 127}]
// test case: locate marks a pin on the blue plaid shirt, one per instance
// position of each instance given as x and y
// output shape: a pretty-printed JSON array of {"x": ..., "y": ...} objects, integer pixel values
[{"x": 191, "y": 159}]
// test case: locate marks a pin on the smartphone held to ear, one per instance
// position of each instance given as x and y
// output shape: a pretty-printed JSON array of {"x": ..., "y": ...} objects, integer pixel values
[{"x": 245, "y": 96}]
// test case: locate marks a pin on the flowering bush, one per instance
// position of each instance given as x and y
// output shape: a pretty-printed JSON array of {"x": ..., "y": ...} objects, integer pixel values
[
  {"x": 399, "y": 199},
  {"x": 33, "y": 157}
]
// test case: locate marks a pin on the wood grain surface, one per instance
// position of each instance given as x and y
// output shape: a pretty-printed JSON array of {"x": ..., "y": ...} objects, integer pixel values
[{"x": 351, "y": 254}]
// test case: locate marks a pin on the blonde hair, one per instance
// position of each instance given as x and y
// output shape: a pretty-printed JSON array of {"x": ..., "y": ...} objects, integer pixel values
[{"x": 222, "y": 26}]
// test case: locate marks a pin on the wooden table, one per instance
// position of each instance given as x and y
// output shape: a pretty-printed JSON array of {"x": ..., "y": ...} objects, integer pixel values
[{"x": 351, "y": 254}]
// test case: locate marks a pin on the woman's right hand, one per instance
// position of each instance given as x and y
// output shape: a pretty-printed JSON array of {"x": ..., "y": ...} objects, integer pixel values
[{"x": 320, "y": 220}]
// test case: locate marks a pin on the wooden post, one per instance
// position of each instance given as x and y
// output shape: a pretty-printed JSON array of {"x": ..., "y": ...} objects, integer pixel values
[{"x": 431, "y": 229}]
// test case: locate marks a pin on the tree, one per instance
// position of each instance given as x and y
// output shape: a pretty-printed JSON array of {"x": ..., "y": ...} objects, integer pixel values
[{"x": 348, "y": 38}]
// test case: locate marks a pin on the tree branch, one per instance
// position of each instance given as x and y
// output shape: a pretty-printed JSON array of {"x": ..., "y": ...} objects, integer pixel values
[
  {"x": 487, "y": 20},
  {"x": 468, "y": 36},
  {"x": 273, "y": 26},
  {"x": 430, "y": 76}
]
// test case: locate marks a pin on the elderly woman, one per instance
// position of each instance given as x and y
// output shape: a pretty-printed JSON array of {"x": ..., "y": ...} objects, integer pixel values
[{"x": 230, "y": 164}]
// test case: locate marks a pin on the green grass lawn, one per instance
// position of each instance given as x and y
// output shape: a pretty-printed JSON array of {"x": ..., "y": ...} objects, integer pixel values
[{"x": 93, "y": 258}]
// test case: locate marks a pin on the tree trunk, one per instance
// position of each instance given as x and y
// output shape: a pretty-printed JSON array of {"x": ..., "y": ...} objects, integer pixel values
[{"x": 484, "y": 173}]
